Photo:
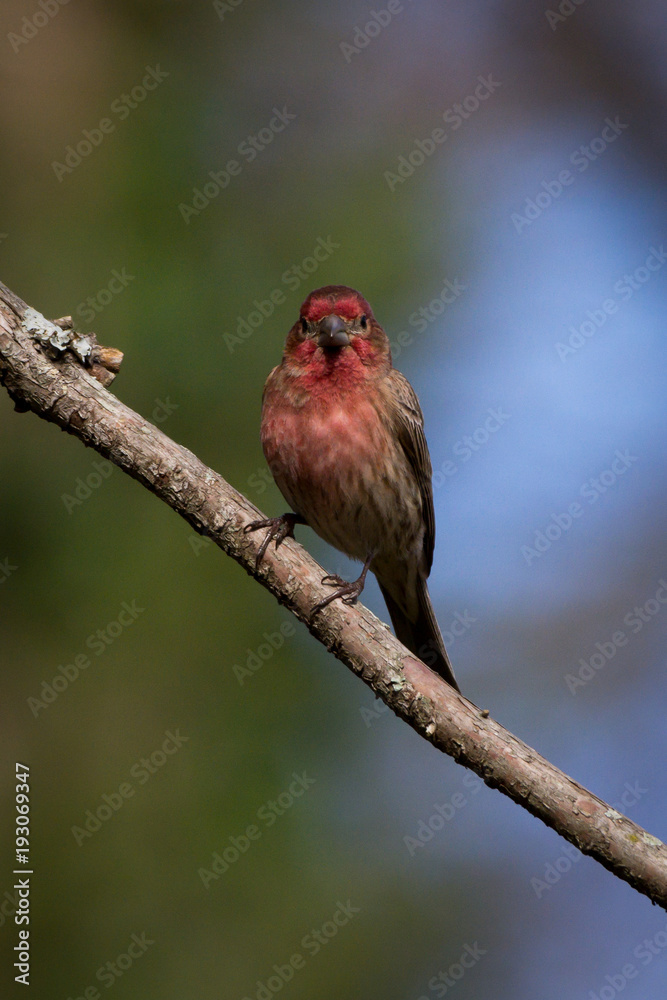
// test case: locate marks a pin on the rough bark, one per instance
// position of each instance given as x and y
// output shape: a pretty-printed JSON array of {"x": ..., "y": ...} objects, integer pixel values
[{"x": 58, "y": 375}]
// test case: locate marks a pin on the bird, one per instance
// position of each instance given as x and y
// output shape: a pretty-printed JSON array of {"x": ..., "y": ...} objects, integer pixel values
[{"x": 343, "y": 435}]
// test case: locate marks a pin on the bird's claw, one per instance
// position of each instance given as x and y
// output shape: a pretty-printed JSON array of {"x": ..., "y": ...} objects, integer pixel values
[
  {"x": 333, "y": 580},
  {"x": 280, "y": 528},
  {"x": 349, "y": 594}
]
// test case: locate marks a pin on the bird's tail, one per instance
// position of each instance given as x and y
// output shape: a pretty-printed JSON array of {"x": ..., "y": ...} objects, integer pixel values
[{"x": 422, "y": 636}]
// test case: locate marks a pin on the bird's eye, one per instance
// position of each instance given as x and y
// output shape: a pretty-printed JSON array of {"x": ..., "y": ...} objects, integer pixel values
[
  {"x": 304, "y": 325},
  {"x": 363, "y": 322}
]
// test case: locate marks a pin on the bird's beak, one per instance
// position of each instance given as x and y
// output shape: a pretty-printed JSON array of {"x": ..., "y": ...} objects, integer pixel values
[{"x": 332, "y": 333}]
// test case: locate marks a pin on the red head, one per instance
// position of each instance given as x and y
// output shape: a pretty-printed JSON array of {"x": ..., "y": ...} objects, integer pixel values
[
  {"x": 337, "y": 336},
  {"x": 337, "y": 300}
]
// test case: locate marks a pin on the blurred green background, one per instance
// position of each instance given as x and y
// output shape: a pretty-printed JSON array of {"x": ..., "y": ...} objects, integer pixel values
[{"x": 356, "y": 172}]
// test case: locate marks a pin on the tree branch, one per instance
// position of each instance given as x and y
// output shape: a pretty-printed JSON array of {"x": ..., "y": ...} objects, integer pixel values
[{"x": 56, "y": 373}]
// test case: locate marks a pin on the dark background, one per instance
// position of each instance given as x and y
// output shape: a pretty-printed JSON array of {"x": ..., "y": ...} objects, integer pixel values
[{"x": 543, "y": 921}]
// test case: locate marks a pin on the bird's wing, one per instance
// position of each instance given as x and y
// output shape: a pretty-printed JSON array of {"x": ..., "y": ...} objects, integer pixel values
[{"x": 410, "y": 432}]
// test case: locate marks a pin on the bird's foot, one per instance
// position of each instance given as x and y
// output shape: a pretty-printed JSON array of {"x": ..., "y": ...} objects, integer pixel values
[
  {"x": 348, "y": 592},
  {"x": 280, "y": 528},
  {"x": 333, "y": 580}
]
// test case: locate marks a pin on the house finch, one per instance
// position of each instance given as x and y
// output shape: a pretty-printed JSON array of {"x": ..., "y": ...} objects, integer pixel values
[{"x": 343, "y": 434}]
